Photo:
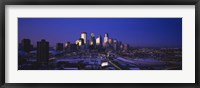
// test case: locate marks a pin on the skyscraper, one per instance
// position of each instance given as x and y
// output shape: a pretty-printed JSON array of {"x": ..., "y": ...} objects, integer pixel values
[
  {"x": 99, "y": 41},
  {"x": 77, "y": 42},
  {"x": 110, "y": 41},
  {"x": 115, "y": 44},
  {"x": 92, "y": 42},
  {"x": 84, "y": 37},
  {"x": 80, "y": 42},
  {"x": 42, "y": 52},
  {"x": 106, "y": 37},
  {"x": 26, "y": 45},
  {"x": 59, "y": 47}
]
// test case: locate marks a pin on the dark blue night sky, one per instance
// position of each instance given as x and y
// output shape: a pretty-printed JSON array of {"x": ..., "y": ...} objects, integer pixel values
[{"x": 138, "y": 32}]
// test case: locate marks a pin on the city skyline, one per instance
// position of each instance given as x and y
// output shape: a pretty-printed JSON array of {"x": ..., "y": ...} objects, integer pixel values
[
  {"x": 62, "y": 30},
  {"x": 100, "y": 44}
]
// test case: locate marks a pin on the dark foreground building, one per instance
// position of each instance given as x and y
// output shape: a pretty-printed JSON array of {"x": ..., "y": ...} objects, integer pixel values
[
  {"x": 42, "y": 52},
  {"x": 26, "y": 45}
]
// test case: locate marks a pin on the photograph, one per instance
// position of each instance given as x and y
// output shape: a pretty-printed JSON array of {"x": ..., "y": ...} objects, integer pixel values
[{"x": 99, "y": 43}]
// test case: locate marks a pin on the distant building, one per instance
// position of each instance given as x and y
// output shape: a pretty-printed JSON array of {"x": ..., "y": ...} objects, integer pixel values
[
  {"x": 106, "y": 38},
  {"x": 92, "y": 41},
  {"x": 67, "y": 44},
  {"x": 121, "y": 46},
  {"x": 59, "y": 47},
  {"x": 42, "y": 51},
  {"x": 126, "y": 46},
  {"x": 77, "y": 42},
  {"x": 115, "y": 44},
  {"x": 84, "y": 37},
  {"x": 110, "y": 41},
  {"x": 80, "y": 42},
  {"x": 99, "y": 41},
  {"x": 26, "y": 45}
]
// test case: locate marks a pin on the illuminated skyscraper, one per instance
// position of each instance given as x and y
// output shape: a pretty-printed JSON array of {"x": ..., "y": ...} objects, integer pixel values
[
  {"x": 26, "y": 45},
  {"x": 110, "y": 41},
  {"x": 106, "y": 37},
  {"x": 92, "y": 42},
  {"x": 42, "y": 52},
  {"x": 99, "y": 41},
  {"x": 77, "y": 42},
  {"x": 80, "y": 42},
  {"x": 84, "y": 37}
]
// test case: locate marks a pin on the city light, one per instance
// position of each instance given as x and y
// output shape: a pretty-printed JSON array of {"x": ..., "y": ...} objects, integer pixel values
[{"x": 114, "y": 56}]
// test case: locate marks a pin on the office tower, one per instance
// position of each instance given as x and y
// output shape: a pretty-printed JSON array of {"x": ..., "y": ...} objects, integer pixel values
[
  {"x": 115, "y": 44},
  {"x": 84, "y": 37},
  {"x": 59, "y": 47},
  {"x": 110, "y": 41},
  {"x": 80, "y": 42},
  {"x": 26, "y": 45},
  {"x": 42, "y": 52},
  {"x": 106, "y": 37},
  {"x": 99, "y": 41},
  {"x": 92, "y": 42},
  {"x": 77, "y": 42}
]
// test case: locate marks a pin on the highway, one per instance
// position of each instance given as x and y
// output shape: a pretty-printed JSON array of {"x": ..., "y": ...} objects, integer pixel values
[{"x": 114, "y": 65}]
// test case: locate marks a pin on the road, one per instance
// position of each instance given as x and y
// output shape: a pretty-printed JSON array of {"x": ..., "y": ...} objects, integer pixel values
[{"x": 114, "y": 65}]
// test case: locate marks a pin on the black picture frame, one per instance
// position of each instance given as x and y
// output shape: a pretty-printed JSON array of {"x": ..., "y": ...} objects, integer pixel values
[{"x": 98, "y": 2}]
